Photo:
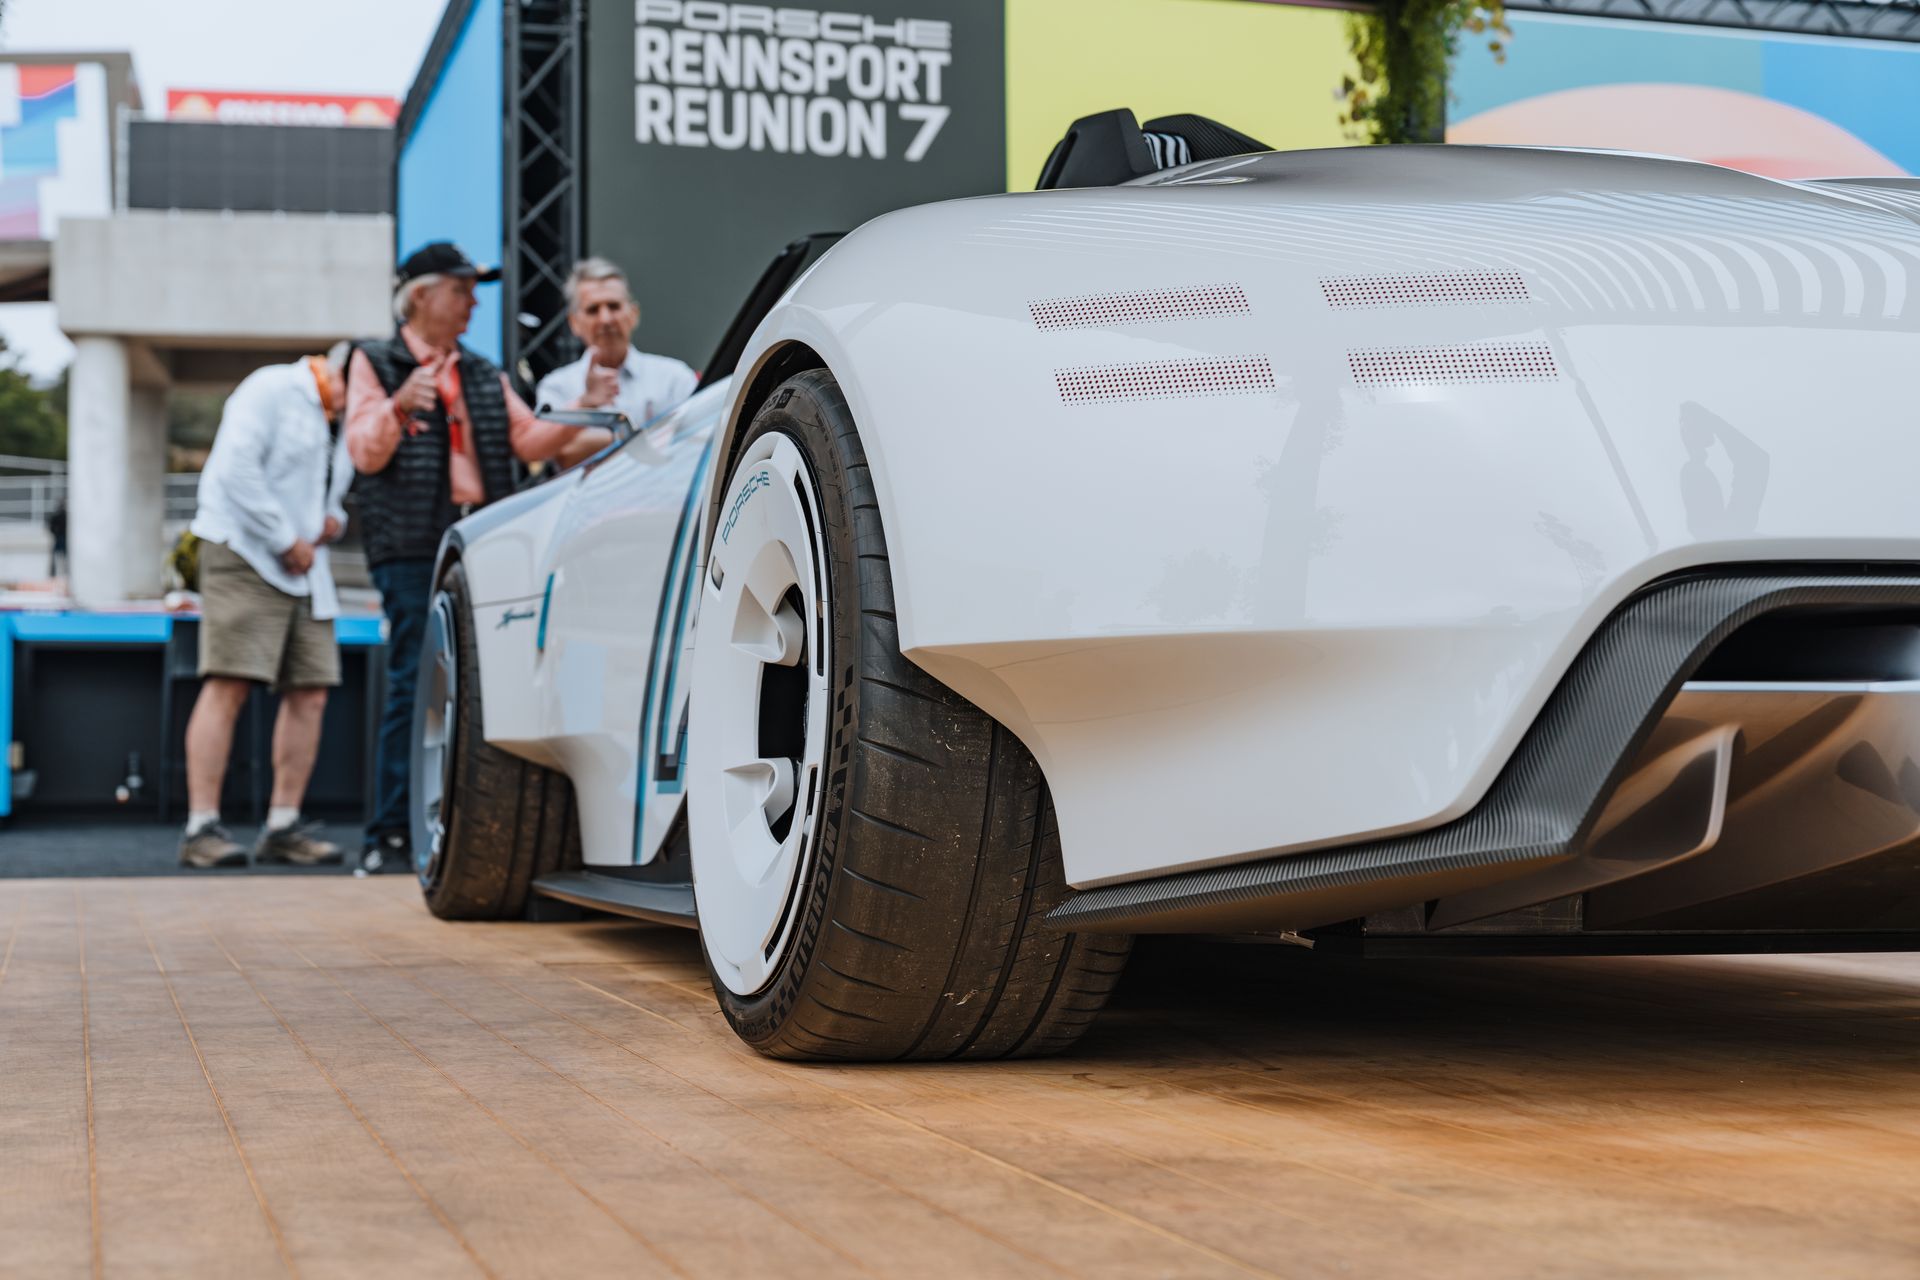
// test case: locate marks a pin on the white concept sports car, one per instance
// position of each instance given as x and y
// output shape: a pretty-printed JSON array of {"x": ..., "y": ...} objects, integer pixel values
[{"x": 1383, "y": 549}]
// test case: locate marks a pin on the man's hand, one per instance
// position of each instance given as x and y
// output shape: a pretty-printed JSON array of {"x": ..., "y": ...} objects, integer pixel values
[
  {"x": 330, "y": 531},
  {"x": 298, "y": 558},
  {"x": 603, "y": 387},
  {"x": 417, "y": 394},
  {"x": 586, "y": 442}
]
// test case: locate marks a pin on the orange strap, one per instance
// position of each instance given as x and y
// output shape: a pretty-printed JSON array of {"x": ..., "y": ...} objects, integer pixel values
[
  {"x": 447, "y": 383},
  {"x": 318, "y": 366}
]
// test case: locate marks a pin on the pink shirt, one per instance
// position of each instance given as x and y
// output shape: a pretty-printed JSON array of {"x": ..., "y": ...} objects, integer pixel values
[{"x": 374, "y": 427}]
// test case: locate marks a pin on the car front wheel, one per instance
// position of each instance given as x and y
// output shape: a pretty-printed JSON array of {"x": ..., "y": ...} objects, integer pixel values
[{"x": 485, "y": 823}]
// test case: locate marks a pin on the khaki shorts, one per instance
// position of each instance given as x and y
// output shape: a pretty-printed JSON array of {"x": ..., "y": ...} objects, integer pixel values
[{"x": 252, "y": 630}]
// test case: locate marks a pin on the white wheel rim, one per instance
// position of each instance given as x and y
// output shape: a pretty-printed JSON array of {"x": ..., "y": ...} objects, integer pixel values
[
  {"x": 437, "y": 717},
  {"x": 757, "y": 723}
]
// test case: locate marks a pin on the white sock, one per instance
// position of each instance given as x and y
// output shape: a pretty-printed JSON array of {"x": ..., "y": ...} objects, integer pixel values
[
  {"x": 199, "y": 820},
  {"x": 280, "y": 818}
]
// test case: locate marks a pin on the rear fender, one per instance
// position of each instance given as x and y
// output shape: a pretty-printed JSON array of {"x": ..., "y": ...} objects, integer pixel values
[{"x": 1292, "y": 563}]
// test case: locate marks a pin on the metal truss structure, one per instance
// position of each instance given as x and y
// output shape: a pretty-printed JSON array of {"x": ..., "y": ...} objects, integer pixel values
[
  {"x": 545, "y": 200},
  {"x": 1862, "y": 19}
]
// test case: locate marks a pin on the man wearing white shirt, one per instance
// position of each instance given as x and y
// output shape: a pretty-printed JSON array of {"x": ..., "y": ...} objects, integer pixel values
[
  {"x": 612, "y": 375},
  {"x": 269, "y": 503}
]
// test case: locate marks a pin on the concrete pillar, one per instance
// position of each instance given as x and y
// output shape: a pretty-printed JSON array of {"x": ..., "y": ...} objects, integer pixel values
[
  {"x": 145, "y": 538},
  {"x": 116, "y": 469},
  {"x": 99, "y": 405}
]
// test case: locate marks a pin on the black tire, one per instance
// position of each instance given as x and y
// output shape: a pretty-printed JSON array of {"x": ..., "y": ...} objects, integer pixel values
[
  {"x": 923, "y": 923},
  {"x": 507, "y": 821}
]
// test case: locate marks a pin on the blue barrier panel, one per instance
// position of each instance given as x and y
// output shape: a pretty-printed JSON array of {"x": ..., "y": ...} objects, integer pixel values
[
  {"x": 358, "y": 631},
  {"x": 107, "y": 628},
  {"x": 83, "y": 628},
  {"x": 93, "y": 628},
  {"x": 6, "y": 715}
]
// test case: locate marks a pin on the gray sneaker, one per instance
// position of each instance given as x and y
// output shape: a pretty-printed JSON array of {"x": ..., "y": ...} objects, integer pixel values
[
  {"x": 211, "y": 846},
  {"x": 299, "y": 845}
]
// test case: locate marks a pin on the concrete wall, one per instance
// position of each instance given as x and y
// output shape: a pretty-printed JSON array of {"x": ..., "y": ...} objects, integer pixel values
[
  {"x": 214, "y": 279},
  {"x": 24, "y": 552}
]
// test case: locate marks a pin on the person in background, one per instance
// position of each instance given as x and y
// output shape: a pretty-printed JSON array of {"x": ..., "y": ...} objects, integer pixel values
[
  {"x": 57, "y": 530},
  {"x": 612, "y": 375},
  {"x": 434, "y": 430},
  {"x": 269, "y": 503}
]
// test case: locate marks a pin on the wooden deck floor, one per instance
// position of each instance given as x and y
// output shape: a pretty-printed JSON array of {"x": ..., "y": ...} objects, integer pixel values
[{"x": 256, "y": 1076}]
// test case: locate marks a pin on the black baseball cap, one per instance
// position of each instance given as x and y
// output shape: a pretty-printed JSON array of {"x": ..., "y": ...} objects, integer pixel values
[{"x": 443, "y": 258}]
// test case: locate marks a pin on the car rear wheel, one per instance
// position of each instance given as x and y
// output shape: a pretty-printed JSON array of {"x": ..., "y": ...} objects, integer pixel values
[
  {"x": 485, "y": 823},
  {"x": 873, "y": 856}
]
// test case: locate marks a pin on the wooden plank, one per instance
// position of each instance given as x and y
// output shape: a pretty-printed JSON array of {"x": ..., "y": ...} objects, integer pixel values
[
  {"x": 340, "y": 1194},
  {"x": 260, "y": 1075},
  {"x": 864, "y": 1220},
  {"x": 1033, "y": 1211},
  {"x": 46, "y": 1218},
  {"x": 499, "y": 1187},
  {"x": 175, "y": 1195},
  {"x": 654, "y": 1191}
]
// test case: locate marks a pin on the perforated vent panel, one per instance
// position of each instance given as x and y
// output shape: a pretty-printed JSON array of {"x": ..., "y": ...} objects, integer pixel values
[
  {"x": 1166, "y": 380},
  {"x": 1151, "y": 307},
  {"x": 1442, "y": 289},
  {"x": 1481, "y": 362}
]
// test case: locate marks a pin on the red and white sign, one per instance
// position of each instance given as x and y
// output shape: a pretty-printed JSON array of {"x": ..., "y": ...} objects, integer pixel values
[{"x": 330, "y": 109}]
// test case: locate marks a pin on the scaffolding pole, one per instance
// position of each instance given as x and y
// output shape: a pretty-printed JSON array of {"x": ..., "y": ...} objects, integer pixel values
[{"x": 545, "y": 100}]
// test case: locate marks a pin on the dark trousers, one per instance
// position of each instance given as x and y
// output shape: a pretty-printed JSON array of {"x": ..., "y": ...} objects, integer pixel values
[{"x": 406, "y": 590}]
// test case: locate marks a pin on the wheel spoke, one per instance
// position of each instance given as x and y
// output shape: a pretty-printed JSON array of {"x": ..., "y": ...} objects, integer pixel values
[
  {"x": 769, "y": 575},
  {"x": 766, "y": 785},
  {"x": 786, "y": 459},
  {"x": 766, "y": 626},
  {"x": 758, "y": 792},
  {"x": 774, "y": 638}
]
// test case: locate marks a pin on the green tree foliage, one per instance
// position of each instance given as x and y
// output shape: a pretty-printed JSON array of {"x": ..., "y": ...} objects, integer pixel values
[
  {"x": 33, "y": 421},
  {"x": 193, "y": 417},
  {"x": 1403, "y": 48}
]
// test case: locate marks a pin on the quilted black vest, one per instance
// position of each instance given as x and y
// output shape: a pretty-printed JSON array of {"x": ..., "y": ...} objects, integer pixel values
[{"x": 408, "y": 504}]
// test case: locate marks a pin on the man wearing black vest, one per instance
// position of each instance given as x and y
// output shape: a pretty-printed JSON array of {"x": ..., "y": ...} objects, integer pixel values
[{"x": 433, "y": 429}]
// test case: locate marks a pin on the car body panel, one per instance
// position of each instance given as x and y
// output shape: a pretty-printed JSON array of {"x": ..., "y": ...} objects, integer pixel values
[
  {"x": 587, "y": 567},
  {"x": 1327, "y": 611},
  {"x": 1322, "y": 603}
]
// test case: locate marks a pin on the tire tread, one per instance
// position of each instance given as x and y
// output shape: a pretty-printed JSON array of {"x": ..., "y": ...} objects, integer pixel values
[
  {"x": 933, "y": 939},
  {"x": 510, "y": 821}
]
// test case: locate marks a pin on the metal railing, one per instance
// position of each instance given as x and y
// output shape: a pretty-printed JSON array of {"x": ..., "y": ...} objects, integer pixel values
[
  {"x": 49, "y": 466},
  {"x": 31, "y": 499}
]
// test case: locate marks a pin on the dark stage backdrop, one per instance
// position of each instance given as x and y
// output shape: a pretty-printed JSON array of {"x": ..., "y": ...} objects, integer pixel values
[{"x": 718, "y": 132}]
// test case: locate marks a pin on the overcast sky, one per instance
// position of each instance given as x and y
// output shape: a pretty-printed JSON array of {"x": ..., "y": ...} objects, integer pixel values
[{"x": 286, "y": 46}]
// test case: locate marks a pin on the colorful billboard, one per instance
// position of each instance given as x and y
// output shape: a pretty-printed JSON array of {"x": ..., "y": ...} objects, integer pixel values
[
  {"x": 53, "y": 146},
  {"x": 1784, "y": 106},
  {"x": 332, "y": 110},
  {"x": 1272, "y": 71}
]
